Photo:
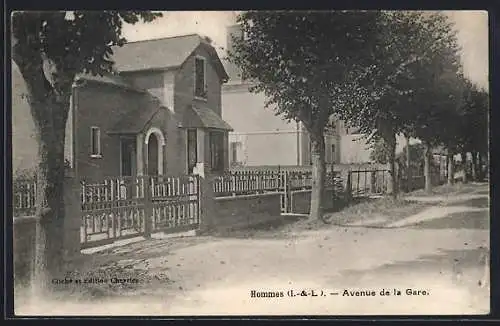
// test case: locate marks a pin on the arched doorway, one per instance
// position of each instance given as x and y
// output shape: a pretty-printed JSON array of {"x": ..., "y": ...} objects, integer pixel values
[
  {"x": 154, "y": 142},
  {"x": 153, "y": 155}
]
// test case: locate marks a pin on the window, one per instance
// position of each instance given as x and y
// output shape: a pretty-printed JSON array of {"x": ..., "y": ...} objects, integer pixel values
[
  {"x": 127, "y": 156},
  {"x": 199, "y": 79},
  {"x": 332, "y": 153},
  {"x": 217, "y": 151},
  {"x": 192, "y": 149},
  {"x": 95, "y": 142},
  {"x": 235, "y": 147}
]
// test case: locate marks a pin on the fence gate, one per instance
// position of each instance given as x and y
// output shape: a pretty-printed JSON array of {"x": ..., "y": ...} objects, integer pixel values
[
  {"x": 127, "y": 207},
  {"x": 175, "y": 203},
  {"x": 365, "y": 183},
  {"x": 112, "y": 210}
]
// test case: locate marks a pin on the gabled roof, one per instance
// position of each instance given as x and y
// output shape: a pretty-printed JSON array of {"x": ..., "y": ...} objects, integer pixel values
[
  {"x": 136, "y": 119},
  {"x": 195, "y": 117},
  {"x": 162, "y": 54}
]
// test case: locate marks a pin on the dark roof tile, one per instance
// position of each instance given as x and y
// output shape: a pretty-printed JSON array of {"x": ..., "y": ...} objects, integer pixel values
[
  {"x": 160, "y": 53},
  {"x": 163, "y": 53},
  {"x": 195, "y": 117}
]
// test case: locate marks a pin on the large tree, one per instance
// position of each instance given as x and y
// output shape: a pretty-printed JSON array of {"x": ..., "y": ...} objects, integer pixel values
[
  {"x": 311, "y": 66},
  {"x": 414, "y": 50},
  {"x": 50, "y": 48},
  {"x": 473, "y": 116},
  {"x": 446, "y": 132}
]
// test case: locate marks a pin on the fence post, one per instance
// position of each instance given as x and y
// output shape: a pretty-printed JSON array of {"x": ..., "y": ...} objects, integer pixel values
[
  {"x": 332, "y": 183},
  {"x": 148, "y": 205},
  {"x": 206, "y": 199},
  {"x": 348, "y": 186},
  {"x": 287, "y": 191},
  {"x": 373, "y": 178}
]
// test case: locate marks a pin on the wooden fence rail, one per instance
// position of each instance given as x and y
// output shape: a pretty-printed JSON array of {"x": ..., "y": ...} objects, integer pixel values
[
  {"x": 248, "y": 182},
  {"x": 123, "y": 207}
]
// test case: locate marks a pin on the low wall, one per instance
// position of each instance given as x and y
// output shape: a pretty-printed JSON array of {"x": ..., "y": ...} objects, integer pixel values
[
  {"x": 301, "y": 201},
  {"x": 244, "y": 211},
  {"x": 23, "y": 248}
]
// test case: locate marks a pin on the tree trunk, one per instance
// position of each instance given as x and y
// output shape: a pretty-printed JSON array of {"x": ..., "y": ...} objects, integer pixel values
[
  {"x": 49, "y": 254},
  {"x": 48, "y": 95},
  {"x": 318, "y": 174},
  {"x": 390, "y": 142},
  {"x": 451, "y": 168},
  {"x": 480, "y": 175},
  {"x": 409, "y": 175},
  {"x": 427, "y": 167},
  {"x": 464, "y": 164},
  {"x": 474, "y": 166}
]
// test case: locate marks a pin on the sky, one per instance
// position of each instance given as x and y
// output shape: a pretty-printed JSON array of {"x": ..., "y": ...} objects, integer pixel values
[{"x": 472, "y": 27}]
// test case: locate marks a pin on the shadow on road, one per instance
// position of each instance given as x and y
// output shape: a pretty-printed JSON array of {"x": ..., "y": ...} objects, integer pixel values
[
  {"x": 474, "y": 202},
  {"x": 444, "y": 263},
  {"x": 461, "y": 220},
  {"x": 140, "y": 251}
]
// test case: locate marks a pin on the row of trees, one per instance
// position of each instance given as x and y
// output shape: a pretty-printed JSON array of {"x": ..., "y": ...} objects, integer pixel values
[
  {"x": 384, "y": 72},
  {"x": 463, "y": 133}
]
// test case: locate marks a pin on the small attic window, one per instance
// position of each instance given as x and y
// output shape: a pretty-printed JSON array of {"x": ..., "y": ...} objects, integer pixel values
[{"x": 200, "y": 89}]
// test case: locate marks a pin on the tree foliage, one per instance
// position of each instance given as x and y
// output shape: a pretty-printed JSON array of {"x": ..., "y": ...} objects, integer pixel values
[
  {"x": 379, "y": 152},
  {"x": 78, "y": 41},
  {"x": 308, "y": 64},
  {"x": 473, "y": 116},
  {"x": 416, "y": 67},
  {"x": 311, "y": 66}
]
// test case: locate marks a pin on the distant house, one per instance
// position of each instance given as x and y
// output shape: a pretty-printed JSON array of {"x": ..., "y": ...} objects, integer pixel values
[
  {"x": 159, "y": 114},
  {"x": 262, "y": 138}
]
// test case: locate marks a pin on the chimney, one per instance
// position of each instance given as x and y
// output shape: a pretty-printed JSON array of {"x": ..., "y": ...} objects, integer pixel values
[
  {"x": 233, "y": 30},
  {"x": 232, "y": 70}
]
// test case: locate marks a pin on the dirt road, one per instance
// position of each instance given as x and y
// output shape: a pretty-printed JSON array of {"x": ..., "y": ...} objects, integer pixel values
[
  {"x": 217, "y": 276},
  {"x": 437, "y": 266}
]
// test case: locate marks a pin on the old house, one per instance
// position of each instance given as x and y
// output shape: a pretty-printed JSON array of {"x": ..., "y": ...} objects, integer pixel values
[
  {"x": 160, "y": 113},
  {"x": 262, "y": 138}
]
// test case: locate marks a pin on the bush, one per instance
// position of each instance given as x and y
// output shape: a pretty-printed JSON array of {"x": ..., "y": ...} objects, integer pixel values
[
  {"x": 379, "y": 152},
  {"x": 21, "y": 177}
]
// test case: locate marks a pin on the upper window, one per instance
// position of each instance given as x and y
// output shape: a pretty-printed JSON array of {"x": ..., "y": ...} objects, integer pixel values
[
  {"x": 95, "y": 141},
  {"x": 200, "y": 89}
]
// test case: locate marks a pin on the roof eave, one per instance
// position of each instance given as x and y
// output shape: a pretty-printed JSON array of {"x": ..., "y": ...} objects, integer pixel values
[
  {"x": 169, "y": 68},
  {"x": 82, "y": 81}
]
